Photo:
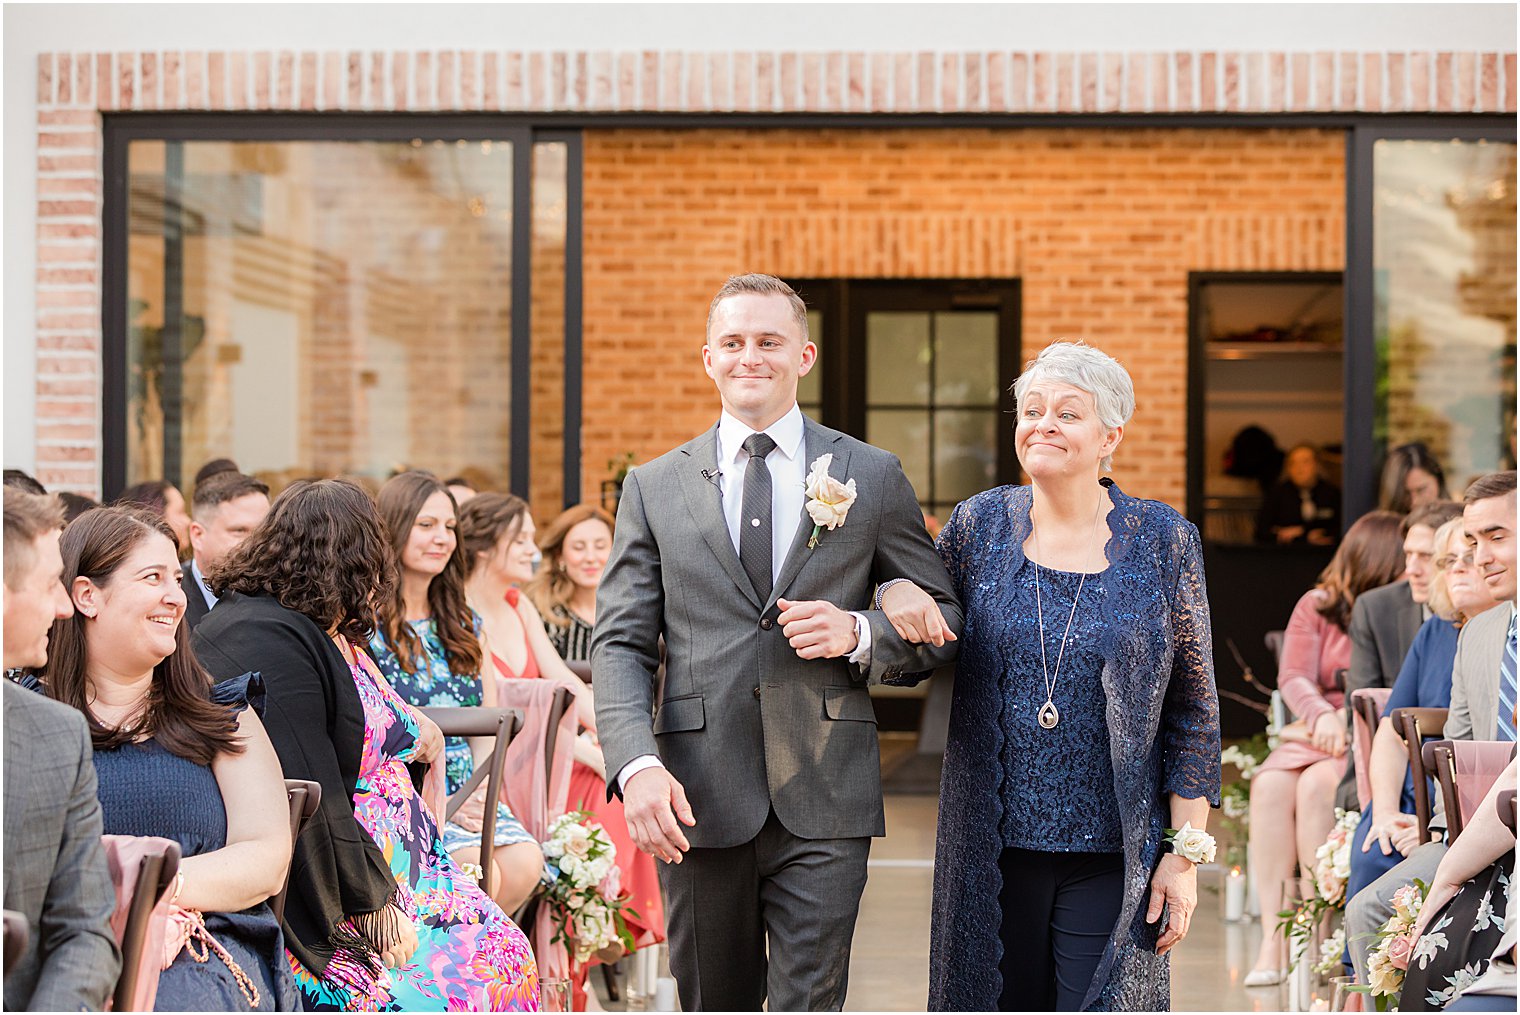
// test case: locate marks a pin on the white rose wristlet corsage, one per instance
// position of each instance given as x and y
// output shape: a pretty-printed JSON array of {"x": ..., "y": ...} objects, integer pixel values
[
  {"x": 1190, "y": 843},
  {"x": 829, "y": 500}
]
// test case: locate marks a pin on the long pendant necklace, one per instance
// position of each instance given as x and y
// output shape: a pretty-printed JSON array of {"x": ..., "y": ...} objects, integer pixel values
[{"x": 1048, "y": 715}]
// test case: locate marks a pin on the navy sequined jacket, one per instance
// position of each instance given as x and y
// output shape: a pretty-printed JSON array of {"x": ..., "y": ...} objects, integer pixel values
[{"x": 1163, "y": 725}]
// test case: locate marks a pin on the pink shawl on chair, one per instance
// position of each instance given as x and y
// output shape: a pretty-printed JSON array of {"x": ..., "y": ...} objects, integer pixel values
[{"x": 124, "y": 858}]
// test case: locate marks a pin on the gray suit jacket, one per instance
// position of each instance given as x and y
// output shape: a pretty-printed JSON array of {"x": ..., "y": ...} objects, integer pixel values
[
  {"x": 1474, "y": 711},
  {"x": 743, "y": 723},
  {"x": 55, "y": 866}
]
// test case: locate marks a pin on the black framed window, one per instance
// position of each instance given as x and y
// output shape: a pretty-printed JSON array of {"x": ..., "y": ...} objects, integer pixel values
[
  {"x": 343, "y": 296},
  {"x": 919, "y": 367}
]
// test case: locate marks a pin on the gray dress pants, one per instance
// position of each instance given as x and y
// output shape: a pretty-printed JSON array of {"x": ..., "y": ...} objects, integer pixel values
[{"x": 1372, "y": 906}]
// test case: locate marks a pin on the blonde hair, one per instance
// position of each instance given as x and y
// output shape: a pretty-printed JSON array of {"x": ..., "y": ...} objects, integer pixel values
[
  {"x": 1440, "y": 597},
  {"x": 1091, "y": 370},
  {"x": 551, "y": 586}
]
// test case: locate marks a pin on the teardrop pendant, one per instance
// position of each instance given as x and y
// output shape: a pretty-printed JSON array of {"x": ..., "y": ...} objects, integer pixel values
[{"x": 1048, "y": 715}]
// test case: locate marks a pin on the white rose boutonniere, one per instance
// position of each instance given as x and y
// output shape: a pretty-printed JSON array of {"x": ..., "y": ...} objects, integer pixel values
[
  {"x": 1191, "y": 843},
  {"x": 829, "y": 500}
]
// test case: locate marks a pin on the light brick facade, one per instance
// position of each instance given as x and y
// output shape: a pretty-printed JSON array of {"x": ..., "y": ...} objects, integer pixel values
[{"x": 1274, "y": 198}]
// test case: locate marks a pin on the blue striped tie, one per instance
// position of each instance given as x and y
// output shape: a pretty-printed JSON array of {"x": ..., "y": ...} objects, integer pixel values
[{"x": 1507, "y": 686}]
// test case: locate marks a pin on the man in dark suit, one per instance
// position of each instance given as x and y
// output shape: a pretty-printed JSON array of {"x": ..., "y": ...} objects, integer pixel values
[
  {"x": 227, "y": 506},
  {"x": 55, "y": 866},
  {"x": 1384, "y": 621},
  {"x": 746, "y": 548}
]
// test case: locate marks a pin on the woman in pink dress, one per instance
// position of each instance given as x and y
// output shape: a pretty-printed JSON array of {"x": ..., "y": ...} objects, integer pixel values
[
  {"x": 496, "y": 535},
  {"x": 1293, "y": 792}
]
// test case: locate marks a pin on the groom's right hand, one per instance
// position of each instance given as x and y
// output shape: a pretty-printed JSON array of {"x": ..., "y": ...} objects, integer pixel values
[{"x": 652, "y": 801}]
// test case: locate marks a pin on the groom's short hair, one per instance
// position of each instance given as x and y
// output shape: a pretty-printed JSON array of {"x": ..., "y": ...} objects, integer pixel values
[{"x": 765, "y": 285}]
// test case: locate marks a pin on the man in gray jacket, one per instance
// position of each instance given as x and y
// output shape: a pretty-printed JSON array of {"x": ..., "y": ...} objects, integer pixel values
[
  {"x": 55, "y": 866},
  {"x": 746, "y": 549}
]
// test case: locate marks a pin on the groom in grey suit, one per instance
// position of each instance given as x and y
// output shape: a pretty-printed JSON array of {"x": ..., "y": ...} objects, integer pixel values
[{"x": 763, "y": 742}]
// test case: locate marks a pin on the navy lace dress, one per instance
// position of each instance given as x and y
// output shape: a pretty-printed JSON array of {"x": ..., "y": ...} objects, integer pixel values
[
  {"x": 1159, "y": 711},
  {"x": 145, "y": 790}
]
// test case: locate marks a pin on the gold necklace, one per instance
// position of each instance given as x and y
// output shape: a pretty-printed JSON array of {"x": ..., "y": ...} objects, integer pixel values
[{"x": 1048, "y": 715}]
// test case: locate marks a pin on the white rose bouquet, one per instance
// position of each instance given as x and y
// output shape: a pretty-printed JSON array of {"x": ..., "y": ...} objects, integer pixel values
[
  {"x": 585, "y": 894},
  {"x": 1332, "y": 868},
  {"x": 1389, "y": 960}
]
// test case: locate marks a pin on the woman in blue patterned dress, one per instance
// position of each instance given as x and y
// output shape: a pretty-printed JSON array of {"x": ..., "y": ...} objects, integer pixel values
[
  {"x": 428, "y": 648},
  {"x": 176, "y": 758},
  {"x": 379, "y": 917},
  {"x": 1084, "y": 719}
]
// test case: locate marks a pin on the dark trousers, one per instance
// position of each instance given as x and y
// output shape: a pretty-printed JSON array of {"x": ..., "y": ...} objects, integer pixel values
[
  {"x": 1059, "y": 910},
  {"x": 721, "y": 906}
]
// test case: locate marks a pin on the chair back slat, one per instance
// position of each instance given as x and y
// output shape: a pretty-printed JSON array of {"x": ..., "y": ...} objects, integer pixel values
[
  {"x": 143, "y": 869},
  {"x": 302, "y": 796},
  {"x": 1367, "y": 705},
  {"x": 1506, "y": 804},
  {"x": 1414, "y": 725},
  {"x": 1465, "y": 770},
  {"x": 502, "y": 725},
  {"x": 18, "y": 935}
]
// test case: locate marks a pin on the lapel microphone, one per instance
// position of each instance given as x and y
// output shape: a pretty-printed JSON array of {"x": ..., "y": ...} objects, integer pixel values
[{"x": 711, "y": 476}]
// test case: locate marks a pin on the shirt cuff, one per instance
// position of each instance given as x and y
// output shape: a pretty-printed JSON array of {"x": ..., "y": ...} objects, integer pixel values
[
  {"x": 862, "y": 655},
  {"x": 636, "y": 766}
]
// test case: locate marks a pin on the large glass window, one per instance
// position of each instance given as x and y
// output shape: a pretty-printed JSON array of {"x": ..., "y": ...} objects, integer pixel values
[
  {"x": 342, "y": 307},
  {"x": 1444, "y": 285}
]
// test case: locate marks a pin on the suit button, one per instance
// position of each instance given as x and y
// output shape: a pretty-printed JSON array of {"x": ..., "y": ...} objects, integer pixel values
[
  {"x": 765, "y": 625},
  {"x": 757, "y": 692}
]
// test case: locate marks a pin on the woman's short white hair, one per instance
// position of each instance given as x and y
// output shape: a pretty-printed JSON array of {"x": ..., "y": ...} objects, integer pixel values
[{"x": 1095, "y": 372}]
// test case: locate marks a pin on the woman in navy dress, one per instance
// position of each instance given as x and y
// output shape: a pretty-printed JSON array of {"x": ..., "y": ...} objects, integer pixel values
[
  {"x": 174, "y": 760},
  {"x": 1084, "y": 721}
]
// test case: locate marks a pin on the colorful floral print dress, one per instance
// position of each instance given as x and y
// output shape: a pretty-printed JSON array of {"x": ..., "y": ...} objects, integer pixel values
[{"x": 469, "y": 957}]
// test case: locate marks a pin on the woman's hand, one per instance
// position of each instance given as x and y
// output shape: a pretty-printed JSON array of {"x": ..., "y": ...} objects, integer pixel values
[
  {"x": 1174, "y": 886},
  {"x": 1441, "y": 892},
  {"x": 1395, "y": 832},
  {"x": 401, "y": 941},
  {"x": 914, "y": 615},
  {"x": 429, "y": 737},
  {"x": 1329, "y": 734}
]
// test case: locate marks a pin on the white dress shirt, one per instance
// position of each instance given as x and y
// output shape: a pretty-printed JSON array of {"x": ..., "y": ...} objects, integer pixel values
[
  {"x": 789, "y": 468},
  {"x": 200, "y": 581}
]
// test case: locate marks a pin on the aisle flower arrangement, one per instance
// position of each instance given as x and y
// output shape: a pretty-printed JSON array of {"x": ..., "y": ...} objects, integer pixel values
[
  {"x": 1388, "y": 962},
  {"x": 585, "y": 895},
  {"x": 1332, "y": 868}
]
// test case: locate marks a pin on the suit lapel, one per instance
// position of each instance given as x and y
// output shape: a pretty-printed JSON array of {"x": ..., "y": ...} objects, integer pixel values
[
  {"x": 815, "y": 442},
  {"x": 705, "y": 502}
]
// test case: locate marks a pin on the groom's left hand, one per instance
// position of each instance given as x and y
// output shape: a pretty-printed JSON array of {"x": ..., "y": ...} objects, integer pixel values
[
  {"x": 817, "y": 629},
  {"x": 1175, "y": 887}
]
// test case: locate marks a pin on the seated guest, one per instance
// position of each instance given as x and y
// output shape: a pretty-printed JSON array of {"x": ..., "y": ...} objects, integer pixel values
[
  {"x": 378, "y": 915},
  {"x": 575, "y": 547},
  {"x": 427, "y": 647},
  {"x": 1387, "y": 831},
  {"x": 496, "y": 533},
  {"x": 460, "y": 489},
  {"x": 22, "y": 481},
  {"x": 1293, "y": 792},
  {"x": 75, "y": 504},
  {"x": 163, "y": 499},
  {"x": 55, "y": 869},
  {"x": 1464, "y": 940},
  {"x": 175, "y": 759},
  {"x": 1303, "y": 508},
  {"x": 1411, "y": 478},
  {"x": 1482, "y": 691},
  {"x": 1384, "y": 621},
  {"x": 226, "y": 507},
  {"x": 215, "y": 467}
]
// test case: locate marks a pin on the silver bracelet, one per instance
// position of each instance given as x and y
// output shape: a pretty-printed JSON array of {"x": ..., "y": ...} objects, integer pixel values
[{"x": 881, "y": 590}]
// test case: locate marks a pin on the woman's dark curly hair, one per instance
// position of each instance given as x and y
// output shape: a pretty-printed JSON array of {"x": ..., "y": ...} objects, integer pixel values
[
  {"x": 178, "y": 712},
  {"x": 401, "y": 500},
  {"x": 320, "y": 551}
]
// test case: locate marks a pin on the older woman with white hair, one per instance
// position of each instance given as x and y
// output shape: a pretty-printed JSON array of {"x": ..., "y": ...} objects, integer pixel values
[{"x": 1083, "y": 752}]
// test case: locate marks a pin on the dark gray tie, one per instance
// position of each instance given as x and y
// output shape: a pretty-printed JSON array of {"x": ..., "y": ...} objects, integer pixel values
[{"x": 755, "y": 520}]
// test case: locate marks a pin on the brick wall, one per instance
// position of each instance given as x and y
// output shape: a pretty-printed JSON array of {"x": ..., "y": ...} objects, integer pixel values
[
  {"x": 73, "y": 89},
  {"x": 1102, "y": 228}
]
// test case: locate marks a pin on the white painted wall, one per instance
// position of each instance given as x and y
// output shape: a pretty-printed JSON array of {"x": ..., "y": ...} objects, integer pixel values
[{"x": 30, "y": 29}]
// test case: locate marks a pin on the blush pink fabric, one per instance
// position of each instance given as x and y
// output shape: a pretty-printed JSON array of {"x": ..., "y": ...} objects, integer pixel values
[
  {"x": 124, "y": 858},
  {"x": 1313, "y": 649},
  {"x": 1361, "y": 741},
  {"x": 1479, "y": 764}
]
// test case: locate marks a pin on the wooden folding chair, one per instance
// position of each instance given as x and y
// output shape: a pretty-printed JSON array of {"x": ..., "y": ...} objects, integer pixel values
[
  {"x": 1506, "y": 803},
  {"x": 1367, "y": 706},
  {"x": 138, "y": 901},
  {"x": 1414, "y": 725},
  {"x": 1465, "y": 770},
  {"x": 559, "y": 705},
  {"x": 303, "y": 796},
  {"x": 502, "y": 725},
  {"x": 17, "y": 935}
]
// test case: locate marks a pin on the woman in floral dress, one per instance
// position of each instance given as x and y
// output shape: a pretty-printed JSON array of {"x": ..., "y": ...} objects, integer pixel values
[{"x": 378, "y": 918}]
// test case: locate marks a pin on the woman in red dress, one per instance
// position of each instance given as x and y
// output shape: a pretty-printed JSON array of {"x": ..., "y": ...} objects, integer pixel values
[{"x": 496, "y": 532}]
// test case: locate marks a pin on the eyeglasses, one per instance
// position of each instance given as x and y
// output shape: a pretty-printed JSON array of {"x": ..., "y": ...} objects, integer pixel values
[{"x": 1451, "y": 560}]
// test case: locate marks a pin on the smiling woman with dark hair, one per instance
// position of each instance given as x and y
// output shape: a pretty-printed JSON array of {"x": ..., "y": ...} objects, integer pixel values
[
  {"x": 365, "y": 925},
  {"x": 176, "y": 758}
]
